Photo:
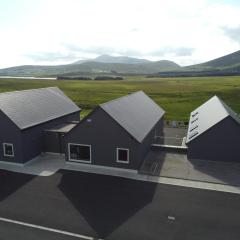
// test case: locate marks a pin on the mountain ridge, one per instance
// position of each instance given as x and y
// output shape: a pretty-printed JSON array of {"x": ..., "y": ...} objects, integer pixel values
[
  {"x": 140, "y": 66},
  {"x": 106, "y": 64},
  {"x": 226, "y": 62},
  {"x": 105, "y": 58}
]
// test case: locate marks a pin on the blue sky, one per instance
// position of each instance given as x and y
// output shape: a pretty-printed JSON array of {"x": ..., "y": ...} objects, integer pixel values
[{"x": 63, "y": 31}]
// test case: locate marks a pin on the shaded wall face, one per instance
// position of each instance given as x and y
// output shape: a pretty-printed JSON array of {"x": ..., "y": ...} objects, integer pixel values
[
  {"x": 105, "y": 135},
  {"x": 220, "y": 143},
  {"x": 159, "y": 127},
  {"x": 54, "y": 142},
  {"x": 150, "y": 139},
  {"x": 33, "y": 138},
  {"x": 10, "y": 133}
]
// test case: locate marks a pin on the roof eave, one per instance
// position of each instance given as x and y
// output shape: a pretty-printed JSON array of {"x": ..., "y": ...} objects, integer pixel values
[{"x": 48, "y": 120}]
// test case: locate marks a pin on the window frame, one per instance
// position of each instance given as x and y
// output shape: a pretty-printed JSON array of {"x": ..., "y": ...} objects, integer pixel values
[
  {"x": 4, "y": 152},
  {"x": 117, "y": 155},
  {"x": 79, "y": 160}
]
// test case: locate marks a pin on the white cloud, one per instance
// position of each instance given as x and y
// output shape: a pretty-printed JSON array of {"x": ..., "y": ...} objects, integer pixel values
[{"x": 136, "y": 27}]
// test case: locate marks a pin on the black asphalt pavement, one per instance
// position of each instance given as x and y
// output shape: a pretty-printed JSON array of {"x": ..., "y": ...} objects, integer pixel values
[
  {"x": 116, "y": 208},
  {"x": 9, "y": 231}
]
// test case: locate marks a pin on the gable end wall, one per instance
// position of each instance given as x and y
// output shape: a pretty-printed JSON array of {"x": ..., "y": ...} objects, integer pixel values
[
  {"x": 10, "y": 133},
  {"x": 220, "y": 143},
  {"x": 105, "y": 135}
]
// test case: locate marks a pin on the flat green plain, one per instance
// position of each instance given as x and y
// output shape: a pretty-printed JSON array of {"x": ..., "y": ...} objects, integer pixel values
[{"x": 177, "y": 96}]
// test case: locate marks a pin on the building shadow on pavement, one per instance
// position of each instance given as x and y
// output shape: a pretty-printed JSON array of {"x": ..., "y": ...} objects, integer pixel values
[
  {"x": 105, "y": 202},
  {"x": 153, "y": 162},
  {"x": 10, "y": 182},
  {"x": 216, "y": 171}
]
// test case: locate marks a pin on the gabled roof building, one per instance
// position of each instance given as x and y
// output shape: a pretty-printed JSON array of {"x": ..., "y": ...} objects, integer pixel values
[
  {"x": 24, "y": 117},
  {"x": 136, "y": 113},
  {"x": 214, "y": 132},
  {"x": 118, "y": 133}
]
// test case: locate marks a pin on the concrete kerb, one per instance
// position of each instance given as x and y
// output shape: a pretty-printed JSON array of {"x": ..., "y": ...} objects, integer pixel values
[
  {"x": 161, "y": 179},
  {"x": 191, "y": 183},
  {"x": 129, "y": 174}
]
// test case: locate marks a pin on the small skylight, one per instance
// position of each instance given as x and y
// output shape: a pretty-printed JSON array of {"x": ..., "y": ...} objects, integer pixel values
[
  {"x": 194, "y": 120},
  {"x": 194, "y": 114},
  {"x": 194, "y": 127},
  {"x": 193, "y": 134}
]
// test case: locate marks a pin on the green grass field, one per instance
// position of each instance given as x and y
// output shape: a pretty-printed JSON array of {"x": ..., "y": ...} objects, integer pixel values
[{"x": 178, "y": 96}]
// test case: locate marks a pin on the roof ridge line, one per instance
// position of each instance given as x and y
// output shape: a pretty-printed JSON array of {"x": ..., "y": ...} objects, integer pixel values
[
  {"x": 224, "y": 105},
  {"x": 26, "y": 90},
  {"x": 116, "y": 99},
  {"x": 230, "y": 111}
]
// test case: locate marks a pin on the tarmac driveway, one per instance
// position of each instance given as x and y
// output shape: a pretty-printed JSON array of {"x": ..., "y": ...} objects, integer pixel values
[
  {"x": 175, "y": 164},
  {"x": 114, "y": 208}
]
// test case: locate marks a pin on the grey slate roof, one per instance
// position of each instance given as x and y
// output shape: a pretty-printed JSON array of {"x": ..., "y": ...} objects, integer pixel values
[
  {"x": 136, "y": 113},
  {"x": 28, "y": 108},
  {"x": 208, "y": 115}
]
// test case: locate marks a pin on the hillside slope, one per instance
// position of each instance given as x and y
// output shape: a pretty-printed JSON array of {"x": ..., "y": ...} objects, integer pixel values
[
  {"x": 91, "y": 68},
  {"x": 227, "y": 62},
  {"x": 113, "y": 59}
]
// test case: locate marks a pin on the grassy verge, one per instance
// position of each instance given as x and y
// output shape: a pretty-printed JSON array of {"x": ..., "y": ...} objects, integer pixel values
[{"x": 178, "y": 96}]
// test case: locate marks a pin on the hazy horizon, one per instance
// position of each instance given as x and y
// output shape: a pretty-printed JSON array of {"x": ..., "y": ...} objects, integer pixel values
[{"x": 55, "y": 32}]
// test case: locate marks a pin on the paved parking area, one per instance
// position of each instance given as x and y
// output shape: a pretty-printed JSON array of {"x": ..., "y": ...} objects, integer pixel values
[
  {"x": 113, "y": 208},
  {"x": 175, "y": 164},
  {"x": 172, "y": 136}
]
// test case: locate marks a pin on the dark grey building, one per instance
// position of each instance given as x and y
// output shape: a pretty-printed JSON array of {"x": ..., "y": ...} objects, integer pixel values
[
  {"x": 118, "y": 133},
  {"x": 24, "y": 117},
  {"x": 214, "y": 132}
]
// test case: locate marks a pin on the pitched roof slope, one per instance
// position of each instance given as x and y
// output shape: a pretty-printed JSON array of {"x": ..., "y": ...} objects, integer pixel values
[
  {"x": 208, "y": 115},
  {"x": 28, "y": 108},
  {"x": 136, "y": 113}
]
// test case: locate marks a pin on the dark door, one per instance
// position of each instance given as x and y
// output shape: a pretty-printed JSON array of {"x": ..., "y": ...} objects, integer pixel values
[{"x": 61, "y": 143}]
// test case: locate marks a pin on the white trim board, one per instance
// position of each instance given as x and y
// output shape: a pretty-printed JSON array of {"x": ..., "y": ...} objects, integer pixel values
[
  {"x": 168, "y": 146},
  {"x": 119, "y": 161},
  {"x": 4, "y": 152}
]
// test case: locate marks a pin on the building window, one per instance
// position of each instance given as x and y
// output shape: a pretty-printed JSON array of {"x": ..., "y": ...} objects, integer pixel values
[
  {"x": 8, "y": 150},
  {"x": 79, "y": 152},
  {"x": 122, "y": 155}
]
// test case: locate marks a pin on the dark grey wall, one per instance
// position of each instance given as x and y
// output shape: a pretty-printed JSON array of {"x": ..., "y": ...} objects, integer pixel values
[
  {"x": 10, "y": 133},
  {"x": 53, "y": 142},
  {"x": 150, "y": 139},
  {"x": 220, "y": 143},
  {"x": 105, "y": 135},
  {"x": 32, "y": 138}
]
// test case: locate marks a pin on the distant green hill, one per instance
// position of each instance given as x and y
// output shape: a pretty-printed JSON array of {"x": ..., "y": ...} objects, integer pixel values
[
  {"x": 110, "y": 65},
  {"x": 112, "y": 59},
  {"x": 91, "y": 68},
  {"x": 228, "y": 62}
]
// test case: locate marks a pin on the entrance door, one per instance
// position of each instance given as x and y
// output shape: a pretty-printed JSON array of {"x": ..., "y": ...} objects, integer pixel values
[
  {"x": 61, "y": 143},
  {"x": 54, "y": 142}
]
